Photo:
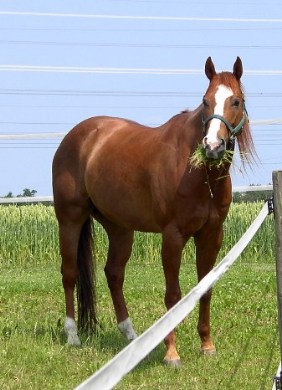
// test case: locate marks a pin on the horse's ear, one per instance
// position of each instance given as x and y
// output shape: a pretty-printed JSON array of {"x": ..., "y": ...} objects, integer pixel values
[
  {"x": 238, "y": 68},
  {"x": 210, "y": 69}
]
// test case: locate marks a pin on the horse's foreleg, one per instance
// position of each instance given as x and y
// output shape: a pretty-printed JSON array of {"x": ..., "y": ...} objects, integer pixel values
[
  {"x": 69, "y": 236},
  {"x": 172, "y": 246},
  {"x": 120, "y": 245},
  {"x": 207, "y": 244}
]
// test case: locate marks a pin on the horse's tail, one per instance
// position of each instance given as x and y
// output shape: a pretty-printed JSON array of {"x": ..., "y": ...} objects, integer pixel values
[{"x": 86, "y": 283}]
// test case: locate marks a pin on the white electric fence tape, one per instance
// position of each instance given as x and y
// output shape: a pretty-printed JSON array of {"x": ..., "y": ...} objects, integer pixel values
[{"x": 112, "y": 372}]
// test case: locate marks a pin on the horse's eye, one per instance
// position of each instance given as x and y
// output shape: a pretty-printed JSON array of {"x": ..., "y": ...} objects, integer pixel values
[
  {"x": 236, "y": 103},
  {"x": 205, "y": 102}
]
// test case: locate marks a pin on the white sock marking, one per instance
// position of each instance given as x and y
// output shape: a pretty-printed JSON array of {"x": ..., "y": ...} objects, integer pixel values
[
  {"x": 71, "y": 331},
  {"x": 127, "y": 330}
]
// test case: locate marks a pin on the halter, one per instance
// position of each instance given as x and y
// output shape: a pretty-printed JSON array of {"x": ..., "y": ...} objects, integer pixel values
[{"x": 233, "y": 130}]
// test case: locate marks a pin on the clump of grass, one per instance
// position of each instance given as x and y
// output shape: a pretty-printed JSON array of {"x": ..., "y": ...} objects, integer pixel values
[{"x": 199, "y": 158}]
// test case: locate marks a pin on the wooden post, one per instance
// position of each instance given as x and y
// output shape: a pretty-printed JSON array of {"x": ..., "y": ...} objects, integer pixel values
[{"x": 277, "y": 198}]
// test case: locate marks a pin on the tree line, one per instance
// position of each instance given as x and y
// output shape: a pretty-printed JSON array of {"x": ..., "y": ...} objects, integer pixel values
[
  {"x": 251, "y": 196},
  {"x": 25, "y": 193}
]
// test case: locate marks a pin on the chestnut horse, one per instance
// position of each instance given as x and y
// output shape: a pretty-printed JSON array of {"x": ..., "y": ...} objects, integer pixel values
[{"x": 131, "y": 177}]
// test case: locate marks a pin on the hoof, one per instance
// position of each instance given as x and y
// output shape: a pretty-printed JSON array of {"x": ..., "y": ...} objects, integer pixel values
[
  {"x": 71, "y": 332},
  {"x": 172, "y": 363},
  {"x": 127, "y": 330},
  {"x": 73, "y": 340},
  {"x": 208, "y": 351}
]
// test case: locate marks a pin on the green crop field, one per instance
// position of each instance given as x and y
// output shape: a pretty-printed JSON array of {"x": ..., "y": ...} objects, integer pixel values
[{"x": 33, "y": 350}]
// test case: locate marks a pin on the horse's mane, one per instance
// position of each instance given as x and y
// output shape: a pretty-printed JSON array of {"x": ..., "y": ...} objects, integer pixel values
[
  {"x": 245, "y": 140},
  {"x": 246, "y": 145}
]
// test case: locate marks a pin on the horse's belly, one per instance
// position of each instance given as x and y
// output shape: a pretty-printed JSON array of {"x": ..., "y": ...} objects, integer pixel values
[
  {"x": 126, "y": 216},
  {"x": 128, "y": 208}
]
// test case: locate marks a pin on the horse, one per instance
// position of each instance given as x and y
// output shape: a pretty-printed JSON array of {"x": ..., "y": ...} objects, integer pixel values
[{"x": 130, "y": 177}]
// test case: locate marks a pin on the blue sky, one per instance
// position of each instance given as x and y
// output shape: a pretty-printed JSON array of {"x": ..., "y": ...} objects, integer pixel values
[{"x": 64, "y": 61}]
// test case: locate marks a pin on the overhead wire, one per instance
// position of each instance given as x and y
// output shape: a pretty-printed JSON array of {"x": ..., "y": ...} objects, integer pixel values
[
  {"x": 140, "y": 29},
  {"x": 123, "y": 70},
  {"x": 141, "y": 17},
  {"x": 122, "y": 93},
  {"x": 142, "y": 45}
]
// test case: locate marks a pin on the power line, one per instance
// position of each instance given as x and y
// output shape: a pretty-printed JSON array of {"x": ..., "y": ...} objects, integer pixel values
[
  {"x": 120, "y": 106},
  {"x": 122, "y": 29},
  {"x": 142, "y": 45},
  {"x": 115, "y": 70},
  {"x": 256, "y": 122},
  {"x": 123, "y": 93},
  {"x": 108, "y": 93},
  {"x": 32, "y": 136},
  {"x": 99, "y": 70},
  {"x": 141, "y": 17},
  {"x": 34, "y": 123},
  {"x": 274, "y": 121},
  {"x": 206, "y": 2}
]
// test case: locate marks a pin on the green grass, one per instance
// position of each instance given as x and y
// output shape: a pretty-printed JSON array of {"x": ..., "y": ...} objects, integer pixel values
[
  {"x": 33, "y": 353},
  {"x": 199, "y": 158}
]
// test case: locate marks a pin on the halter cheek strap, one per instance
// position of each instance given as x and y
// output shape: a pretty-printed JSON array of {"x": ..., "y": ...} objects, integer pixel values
[{"x": 233, "y": 130}]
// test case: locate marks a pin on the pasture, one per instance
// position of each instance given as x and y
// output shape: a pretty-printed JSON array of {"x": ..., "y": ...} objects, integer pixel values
[{"x": 33, "y": 353}]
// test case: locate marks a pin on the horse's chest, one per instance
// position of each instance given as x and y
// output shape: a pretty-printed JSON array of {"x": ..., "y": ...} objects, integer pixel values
[{"x": 197, "y": 215}]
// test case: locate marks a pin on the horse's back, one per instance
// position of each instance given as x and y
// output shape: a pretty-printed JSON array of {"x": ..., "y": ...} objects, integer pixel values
[{"x": 121, "y": 166}]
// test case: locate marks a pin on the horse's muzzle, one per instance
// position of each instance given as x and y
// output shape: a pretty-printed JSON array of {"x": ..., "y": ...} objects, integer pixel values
[{"x": 215, "y": 151}]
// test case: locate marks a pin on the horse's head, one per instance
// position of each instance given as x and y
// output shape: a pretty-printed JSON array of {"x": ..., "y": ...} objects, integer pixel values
[{"x": 224, "y": 113}]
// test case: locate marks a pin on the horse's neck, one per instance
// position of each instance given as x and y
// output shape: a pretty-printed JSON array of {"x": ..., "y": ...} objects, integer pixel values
[
  {"x": 193, "y": 129},
  {"x": 185, "y": 129}
]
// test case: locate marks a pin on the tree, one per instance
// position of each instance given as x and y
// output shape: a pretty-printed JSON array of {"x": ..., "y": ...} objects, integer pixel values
[
  {"x": 9, "y": 195},
  {"x": 27, "y": 192}
]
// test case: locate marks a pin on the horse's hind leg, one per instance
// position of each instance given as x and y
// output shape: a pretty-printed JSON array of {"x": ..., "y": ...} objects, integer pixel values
[
  {"x": 120, "y": 246},
  {"x": 68, "y": 246},
  {"x": 70, "y": 227}
]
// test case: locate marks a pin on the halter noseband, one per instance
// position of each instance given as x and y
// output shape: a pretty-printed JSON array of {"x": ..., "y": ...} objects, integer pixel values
[{"x": 233, "y": 130}]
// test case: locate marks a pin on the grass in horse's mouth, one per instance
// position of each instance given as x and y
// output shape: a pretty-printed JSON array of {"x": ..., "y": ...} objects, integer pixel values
[{"x": 199, "y": 158}]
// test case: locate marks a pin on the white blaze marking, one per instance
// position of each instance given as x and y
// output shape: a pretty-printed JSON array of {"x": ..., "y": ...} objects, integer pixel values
[
  {"x": 127, "y": 330},
  {"x": 221, "y": 95},
  {"x": 71, "y": 331}
]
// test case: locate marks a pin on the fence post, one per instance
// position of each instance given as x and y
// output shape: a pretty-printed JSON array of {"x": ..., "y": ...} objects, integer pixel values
[{"x": 277, "y": 198}]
